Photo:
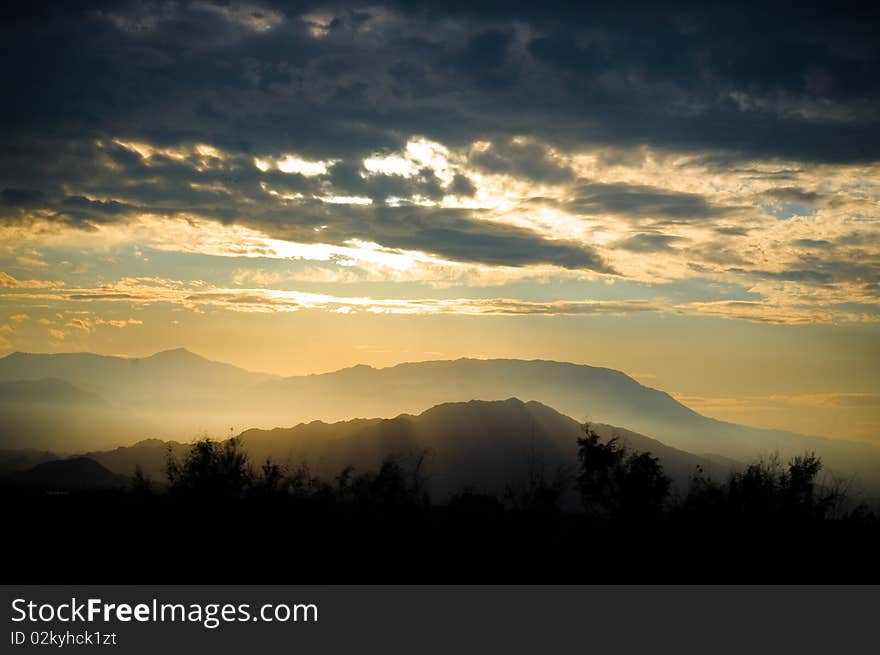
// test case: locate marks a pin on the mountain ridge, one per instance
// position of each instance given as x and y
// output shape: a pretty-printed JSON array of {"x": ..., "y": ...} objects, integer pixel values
[
  {"x": 476, "y": 444},
  {"x": 73, "y": 473},
  {"x": 176, "y": 394}
]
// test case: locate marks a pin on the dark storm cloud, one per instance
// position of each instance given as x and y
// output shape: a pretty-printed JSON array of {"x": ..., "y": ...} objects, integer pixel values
[
  {"x": 793, "y": 195},
  {"x": 343, "y": 81},
  {"x": 349, "y": 179},
  {"x": 462, "y": 186},
  {"x": 528, "y": 160},
  {"x": 732, "y": 231},
  {"x": 696, "y": 78},
  {"x": 636, "y": 201},
  {"x": 95, "y": 207},
  {"x": 164, "y": 187},
  {"x": 648, "y": 242},
  {"x": 812, "y": 270},
  {"x": 453, "y": 234},
  {"x": 503, "y": 249},
  {"x": 22, "y": 197}
]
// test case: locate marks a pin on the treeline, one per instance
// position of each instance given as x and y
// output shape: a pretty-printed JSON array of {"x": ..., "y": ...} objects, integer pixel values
[
  {"x": 615, "y": 517},
  {"x": 611, "y": 484}
]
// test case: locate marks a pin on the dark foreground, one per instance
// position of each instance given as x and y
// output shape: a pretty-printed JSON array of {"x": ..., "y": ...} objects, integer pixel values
[
  {"x": 111, "y": 537},
  {"x": 616, "y": 520}
]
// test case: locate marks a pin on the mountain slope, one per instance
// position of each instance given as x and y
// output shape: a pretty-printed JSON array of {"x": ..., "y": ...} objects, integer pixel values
[
  {"x": 46, "y": 391},
  {"x": 176, "y": 395},
  {"x": 23, "y": 459},
  {"x": 173, "y": 394},
  {"x": 485, "y": 445},
  {"x": 150, "y": 455},
  {"x": 53, "y": 414},
  {"x": 580, "y": 391},
  {"x": 76, "y": 473},
  {"x": 480, "y": 444},
  {"x": 172, "y": 376}
]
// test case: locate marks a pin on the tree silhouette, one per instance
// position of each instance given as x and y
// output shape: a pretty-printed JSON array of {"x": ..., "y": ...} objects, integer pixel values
[
  {"x": 538, "y": 493},
  {"x": 615, "y": 483},
  {"x": 642, "y": 487},
  {"x": 141, "y": 486},
  {"x": 767, "y": 490},
  {"x": 271, "y": 483},
  {"x": 393, "y": 485},
  {"x": 210, "y": 470}
]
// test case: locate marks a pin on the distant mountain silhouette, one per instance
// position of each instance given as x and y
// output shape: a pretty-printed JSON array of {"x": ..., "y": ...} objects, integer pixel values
[
  {"x": 173, "y": 394},
  {"x": 76, "y": 473},
  {"x": 480, "y": 444},
  {"x": 580, "y": 391},
  {"x": 170, "y": 376},
  {"x": 603, "y": 394},
  {"x": 53, "y": 414},
  {"x": 23, "y": 459},
  {"x": 177, "y": 394},
  {"x": 46, "y": 391},
  {"x": 150, "y": 454}
]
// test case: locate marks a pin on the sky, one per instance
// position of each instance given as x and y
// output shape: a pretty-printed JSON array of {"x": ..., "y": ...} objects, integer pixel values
[{"x": 685, "y": 193}]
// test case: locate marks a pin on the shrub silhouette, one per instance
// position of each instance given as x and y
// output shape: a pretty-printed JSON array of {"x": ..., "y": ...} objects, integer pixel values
[
  {"x": 393, "y": 485},
  {"x": 767, "y": 490},
  {"x": 301, "y": 484},
  {"x": 210, "y": 470},
  {"x": 778, "y": 522},
  {"x": 272, "y": 482},
  {"x": 537, "y": 493},
  {"x": 141, "y": 486},
  {"x": 615, "y": 483}
]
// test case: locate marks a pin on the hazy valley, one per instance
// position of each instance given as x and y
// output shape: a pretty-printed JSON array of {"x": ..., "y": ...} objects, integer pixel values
[{"x": 121, "y": 412}]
